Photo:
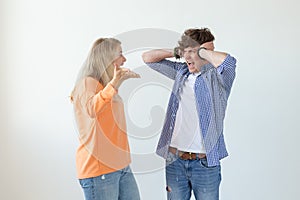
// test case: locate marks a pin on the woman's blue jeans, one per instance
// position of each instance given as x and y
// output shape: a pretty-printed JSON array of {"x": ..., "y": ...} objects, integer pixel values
[
  {"x": 119, "y": 185},
  {"x": 185, "y": 176}
]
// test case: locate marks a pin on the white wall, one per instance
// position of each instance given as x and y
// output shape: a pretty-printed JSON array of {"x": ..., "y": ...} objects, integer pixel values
[{"x": 43, "y": 44}]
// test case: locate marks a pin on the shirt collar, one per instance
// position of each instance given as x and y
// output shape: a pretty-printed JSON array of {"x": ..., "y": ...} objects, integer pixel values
[
  {"x": 206, "y": 67},
  {"x": 196, "y": 74},
  {"x": 203, "y": 69}
]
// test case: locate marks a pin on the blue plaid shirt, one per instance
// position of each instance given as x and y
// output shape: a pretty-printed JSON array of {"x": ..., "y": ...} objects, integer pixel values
[{"x": 212, "y": 89}]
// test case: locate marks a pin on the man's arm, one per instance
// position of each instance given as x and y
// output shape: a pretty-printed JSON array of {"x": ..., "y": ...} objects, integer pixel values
[
  {"x": 157, "y": 60},
  {"x": 157, "y": 55},
  {"x": 214, "y": 57},
  {"x": 224, "y": 63}
]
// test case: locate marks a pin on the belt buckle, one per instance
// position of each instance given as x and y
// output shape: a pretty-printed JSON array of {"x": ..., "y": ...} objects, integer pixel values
[{"x": 190, "y": 153}]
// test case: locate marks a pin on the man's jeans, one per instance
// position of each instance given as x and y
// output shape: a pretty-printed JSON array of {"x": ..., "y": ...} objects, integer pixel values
[
  {"x": 119, "y": 185},
  {"x": 184, "y": 176}
]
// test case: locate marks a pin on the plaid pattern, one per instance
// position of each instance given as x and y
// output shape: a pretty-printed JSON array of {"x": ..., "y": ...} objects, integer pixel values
[{"x": 212, "y": 89}]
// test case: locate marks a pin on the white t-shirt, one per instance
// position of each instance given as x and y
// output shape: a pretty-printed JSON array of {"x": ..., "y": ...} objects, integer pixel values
[{"x": 187, "y": 134}]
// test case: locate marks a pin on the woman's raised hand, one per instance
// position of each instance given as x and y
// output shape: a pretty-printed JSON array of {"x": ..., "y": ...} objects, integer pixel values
[{"x": 121, "y": 74}]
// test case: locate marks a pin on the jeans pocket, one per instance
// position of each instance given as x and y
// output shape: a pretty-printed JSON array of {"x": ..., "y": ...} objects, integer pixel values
[
  {"x": 87, "y": 182},
  {"x": 203, "y": 163},
  {"x": 170, "y": 158}
]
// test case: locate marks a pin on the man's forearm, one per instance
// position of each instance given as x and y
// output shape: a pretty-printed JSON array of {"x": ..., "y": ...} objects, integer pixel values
[
  {"x": 157, "y": 55},
  {"x": 214, "y": 57}
]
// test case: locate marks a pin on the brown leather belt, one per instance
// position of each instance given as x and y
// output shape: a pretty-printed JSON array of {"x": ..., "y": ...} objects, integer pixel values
[{"x": 187, "y": 155}]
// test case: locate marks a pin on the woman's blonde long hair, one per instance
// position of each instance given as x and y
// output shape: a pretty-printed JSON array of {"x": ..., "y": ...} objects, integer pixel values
[{"x": 100, "y": 58}]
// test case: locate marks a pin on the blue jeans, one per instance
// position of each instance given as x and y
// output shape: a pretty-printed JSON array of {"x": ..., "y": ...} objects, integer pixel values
[
  {"x": 185, "y": 176},
  {"x": 119, "y": 185}
]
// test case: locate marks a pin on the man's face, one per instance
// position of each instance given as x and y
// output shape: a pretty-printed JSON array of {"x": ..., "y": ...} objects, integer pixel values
[{"x": 193, "y": 61}]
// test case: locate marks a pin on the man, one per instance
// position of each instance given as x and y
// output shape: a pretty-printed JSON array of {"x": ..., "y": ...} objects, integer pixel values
[{"x": 192, "y": 140}]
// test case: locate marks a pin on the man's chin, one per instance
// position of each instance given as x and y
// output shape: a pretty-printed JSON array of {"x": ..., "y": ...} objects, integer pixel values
[{"x": 193, "y": 70}]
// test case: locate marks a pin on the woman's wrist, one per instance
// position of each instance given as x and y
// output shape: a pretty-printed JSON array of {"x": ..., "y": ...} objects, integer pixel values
[{"x": 114, "y": 84}]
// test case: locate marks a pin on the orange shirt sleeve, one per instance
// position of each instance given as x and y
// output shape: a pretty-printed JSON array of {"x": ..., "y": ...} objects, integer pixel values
[{"x": 94, "y": 97}]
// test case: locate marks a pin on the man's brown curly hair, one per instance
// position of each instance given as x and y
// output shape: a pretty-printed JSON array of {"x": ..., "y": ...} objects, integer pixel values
[{"x": 194, "y": 37}]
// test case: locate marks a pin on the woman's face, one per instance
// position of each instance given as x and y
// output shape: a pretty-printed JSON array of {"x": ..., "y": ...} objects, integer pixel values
[{"x": 119, "y": 61}]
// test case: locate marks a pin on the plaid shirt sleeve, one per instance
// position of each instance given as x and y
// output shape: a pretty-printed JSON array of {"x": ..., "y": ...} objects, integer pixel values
[
  {"x": 227, "y": 71},
  {"x": 166, "y": 67}
]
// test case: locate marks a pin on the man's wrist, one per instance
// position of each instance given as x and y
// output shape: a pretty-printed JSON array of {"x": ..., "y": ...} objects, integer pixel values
[
  {"x": 176, "y": 53},
  {"x": 201, "y": 48}
]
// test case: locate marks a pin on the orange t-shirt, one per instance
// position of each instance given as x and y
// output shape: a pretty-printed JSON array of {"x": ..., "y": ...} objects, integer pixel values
[{"x": 101, "y": 124}]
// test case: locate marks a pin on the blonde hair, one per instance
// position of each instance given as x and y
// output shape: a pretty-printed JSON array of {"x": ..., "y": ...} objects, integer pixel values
[{"x": 100, "y": 58}]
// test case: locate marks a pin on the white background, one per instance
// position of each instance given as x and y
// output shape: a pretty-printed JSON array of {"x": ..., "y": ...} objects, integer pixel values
[{"x": 43, "y": 44}]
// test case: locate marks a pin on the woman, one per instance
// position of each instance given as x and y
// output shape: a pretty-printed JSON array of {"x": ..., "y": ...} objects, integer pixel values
[{"x": 103, "y": 156}]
